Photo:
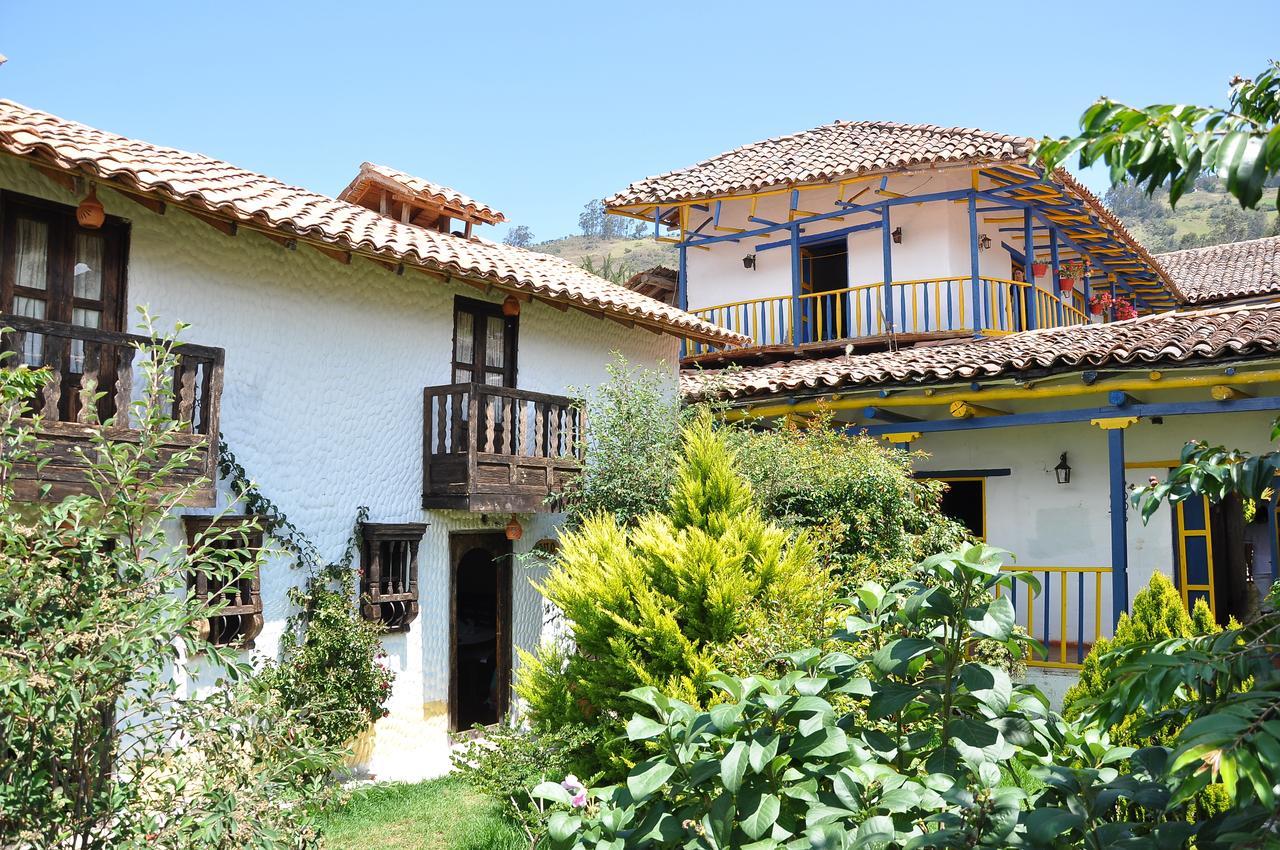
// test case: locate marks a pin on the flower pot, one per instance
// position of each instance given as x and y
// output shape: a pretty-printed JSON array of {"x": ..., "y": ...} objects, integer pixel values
[
  {"x": 1066, "y": 284},
  {"x": 1038, "y": 269}
]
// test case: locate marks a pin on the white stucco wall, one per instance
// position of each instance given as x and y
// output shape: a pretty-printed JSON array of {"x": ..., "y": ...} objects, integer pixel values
[
  {"x": 325, "y": 367},
  {"x": 935, "y": 244}
]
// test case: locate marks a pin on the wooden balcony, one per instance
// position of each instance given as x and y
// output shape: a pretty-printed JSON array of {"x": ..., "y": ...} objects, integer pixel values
[
  {"x": 86, "y": 363},
  {"x": 915, "y": 310},
  {"x": 497, "y": 449}
]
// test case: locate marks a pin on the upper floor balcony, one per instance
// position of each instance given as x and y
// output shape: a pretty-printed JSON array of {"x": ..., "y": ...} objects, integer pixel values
[
  {"x": 95, "y": 376},
  {"x": 892, "y": 257},
  {"x": 497, "y": 449}
]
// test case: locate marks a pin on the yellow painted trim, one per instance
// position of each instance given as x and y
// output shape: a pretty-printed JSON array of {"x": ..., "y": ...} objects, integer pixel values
[
  {"x": 843, "y": 401},
  {"x": 1152, "y": 464},
  {"x": 1112, "y": 423},
  {"x": 904, "y": 437},
  {"x": 1184, "y": 586},
  {"x": 1222, "y": 392}
]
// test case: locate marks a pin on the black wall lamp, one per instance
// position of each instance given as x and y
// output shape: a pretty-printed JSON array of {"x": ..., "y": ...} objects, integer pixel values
[
  {"x": 1063, "y": 470},
  {"x": 984, "y": 244},
  {"x": 749, "y": 261},
  {"x": 897, "y": 235}
]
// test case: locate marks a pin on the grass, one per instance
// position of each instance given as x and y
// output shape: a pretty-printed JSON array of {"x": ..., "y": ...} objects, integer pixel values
[{"x": 443, "y": 814}]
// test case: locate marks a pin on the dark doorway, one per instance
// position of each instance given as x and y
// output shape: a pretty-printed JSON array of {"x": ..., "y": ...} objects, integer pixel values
[
  {"x": 479, "y": 629},
  {"x": 824, "y": 267},
  {"x": 965, "y": 501}
]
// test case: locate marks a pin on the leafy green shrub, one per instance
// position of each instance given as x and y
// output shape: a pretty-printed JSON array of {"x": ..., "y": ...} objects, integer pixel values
[
  {"x": 330, "y": 672},
  {"x": 1158, "y": 615},
  {"x": 856, "y": 494},
  {"x": 922, "y": 764},
  {"x": 508, "y": 761},
  {"x": 98, "y": 746},
  {"x": 665, "y": 602},
  {"x": 634, "y": 429}
]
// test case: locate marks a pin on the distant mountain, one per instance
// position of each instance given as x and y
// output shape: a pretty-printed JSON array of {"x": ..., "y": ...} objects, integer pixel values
[{"x": 1205, "y": 216}]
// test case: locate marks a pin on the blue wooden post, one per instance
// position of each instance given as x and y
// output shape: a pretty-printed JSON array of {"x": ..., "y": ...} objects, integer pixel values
[
  {"x": 1054, "y": 270},
  {"x": 1119, "y": 536},
  {"x": 886, "y": 242},
  {"x": 796, "y": 335},
  {"x": 682, "y": 289},
  {"x": 974, "y": 271},
  {"x": 1028, "y": 259}
]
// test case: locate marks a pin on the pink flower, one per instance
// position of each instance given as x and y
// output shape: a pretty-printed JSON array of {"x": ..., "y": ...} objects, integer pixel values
[
  {"x": 579, "y": 800},
  {"x": 571, "y": 783}
]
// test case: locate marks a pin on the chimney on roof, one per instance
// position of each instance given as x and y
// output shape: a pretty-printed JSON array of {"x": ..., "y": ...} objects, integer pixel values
[{"x": 412, "y": 200}]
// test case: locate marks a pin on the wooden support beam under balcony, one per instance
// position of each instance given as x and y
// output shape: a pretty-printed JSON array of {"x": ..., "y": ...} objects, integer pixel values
[
  {"x": 95, "y": 376},
  {"x": 497, "y": 449}
]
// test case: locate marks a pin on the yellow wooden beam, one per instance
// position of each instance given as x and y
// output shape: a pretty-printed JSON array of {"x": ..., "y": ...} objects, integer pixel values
[
  {"x": 1222, "y": 392},
  {"x": 969, "y": 410},
  {"x": 903, "y": 437}
]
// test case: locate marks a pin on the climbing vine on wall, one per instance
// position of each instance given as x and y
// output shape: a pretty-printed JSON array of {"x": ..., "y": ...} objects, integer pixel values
[{"x": 329, "y": 665}]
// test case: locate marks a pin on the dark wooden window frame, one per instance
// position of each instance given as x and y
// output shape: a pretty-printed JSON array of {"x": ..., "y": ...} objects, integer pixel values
[
  {"x": 237, "y": 624},
  {"x": 61, "y": 219},
  {"x": 396, "y": 606},
  {"x": 511, "y": 337}
]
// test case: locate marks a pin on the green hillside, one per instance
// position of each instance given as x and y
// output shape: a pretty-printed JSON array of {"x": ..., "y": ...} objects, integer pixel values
[
  {"x": 626, "y": 256},
  {"x": 1205, "y": 216}
]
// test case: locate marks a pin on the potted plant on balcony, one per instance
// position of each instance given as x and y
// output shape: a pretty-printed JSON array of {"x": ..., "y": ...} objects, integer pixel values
[
  {"x": 1068, "y": 274},
  {"x": 1103, "y": 307},
  {"x": 1038, "y": 269}
]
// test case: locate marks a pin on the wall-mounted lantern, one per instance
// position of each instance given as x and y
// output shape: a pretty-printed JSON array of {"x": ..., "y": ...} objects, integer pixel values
[
  {"x": 897, "y": 235},
  {"x": 1063, "y": 470},
  {"x": 984, "y": 244},
  {"x": 749, "y": 261}
]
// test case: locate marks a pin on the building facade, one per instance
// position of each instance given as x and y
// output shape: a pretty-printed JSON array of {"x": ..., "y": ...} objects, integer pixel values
[
  {"x": 935, "y": 288},
  {"x": 364, "y": 351}
]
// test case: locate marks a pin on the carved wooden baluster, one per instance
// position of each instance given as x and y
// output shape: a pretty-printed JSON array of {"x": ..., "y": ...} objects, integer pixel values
[
  {"x": 186, "y": 391},
  {"x": 52, "y": 391},
  {"x": 124, "y": 385},
  {"x": 457, "y": 435},
  {"x": 539, "y": 431},
  {"x": 492, "y": 410},
  {"x": 553, "y": 430},
  {"x": 88, "y": 413},
  {"x": 442, "y": 410},
  {"x": 524, "y": 427}
]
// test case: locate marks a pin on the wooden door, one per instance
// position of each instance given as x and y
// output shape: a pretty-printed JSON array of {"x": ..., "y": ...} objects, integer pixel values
[{"x": 479, "y": 570}]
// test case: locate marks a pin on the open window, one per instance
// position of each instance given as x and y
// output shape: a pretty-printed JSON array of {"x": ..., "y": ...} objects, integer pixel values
[
  {"x": 965, "y": 501},
  {"x": 484, "y": 343},
  {"x": 223, "y": 580},
  {"x": 824, "y": 268},
  {"x": 389, "y": 573}
]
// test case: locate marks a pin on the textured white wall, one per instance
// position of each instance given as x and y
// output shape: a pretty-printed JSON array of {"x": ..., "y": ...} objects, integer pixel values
[{"x": 325, "y": 366}]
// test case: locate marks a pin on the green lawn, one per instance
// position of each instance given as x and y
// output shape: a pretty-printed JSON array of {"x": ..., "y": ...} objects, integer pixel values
[{"x": 443, "y": 814}]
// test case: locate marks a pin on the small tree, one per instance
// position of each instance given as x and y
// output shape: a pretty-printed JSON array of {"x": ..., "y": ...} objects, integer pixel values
[
  {"x": 658, "y": 603},
  {"x": 520, "y": 236}
]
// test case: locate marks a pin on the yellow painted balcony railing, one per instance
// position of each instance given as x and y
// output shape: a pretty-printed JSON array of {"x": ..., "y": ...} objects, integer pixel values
[
  {"x": 927, "y": 305},
  {"x": 1067, "y": 616}
]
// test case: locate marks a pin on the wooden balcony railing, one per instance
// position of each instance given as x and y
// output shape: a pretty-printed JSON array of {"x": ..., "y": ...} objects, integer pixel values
[
  {"x": 85, "y": 363},
  {"x": 1067, "y": 616},
  {"x": 925, "y": 306},
  {"x": 497, "y": 449}
]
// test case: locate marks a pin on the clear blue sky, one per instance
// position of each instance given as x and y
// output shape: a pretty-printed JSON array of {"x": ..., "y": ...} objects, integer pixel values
[{"x": 538, "y": 107}]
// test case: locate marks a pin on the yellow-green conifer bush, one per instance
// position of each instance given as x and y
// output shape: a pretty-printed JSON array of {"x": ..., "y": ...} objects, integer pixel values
[{"x": 666, "y": 601}]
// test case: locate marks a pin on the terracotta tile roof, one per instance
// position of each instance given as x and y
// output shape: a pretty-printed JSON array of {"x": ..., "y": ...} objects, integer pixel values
[
  {"x": 658, "y": 282},
  {"x": 212, "y": 187},
  {"x": 839, "y": 149},
  {"x": 1161, "y": 338},
  {"x": 1223, "y": 272},
  {"x": 428, "y": 193}
]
